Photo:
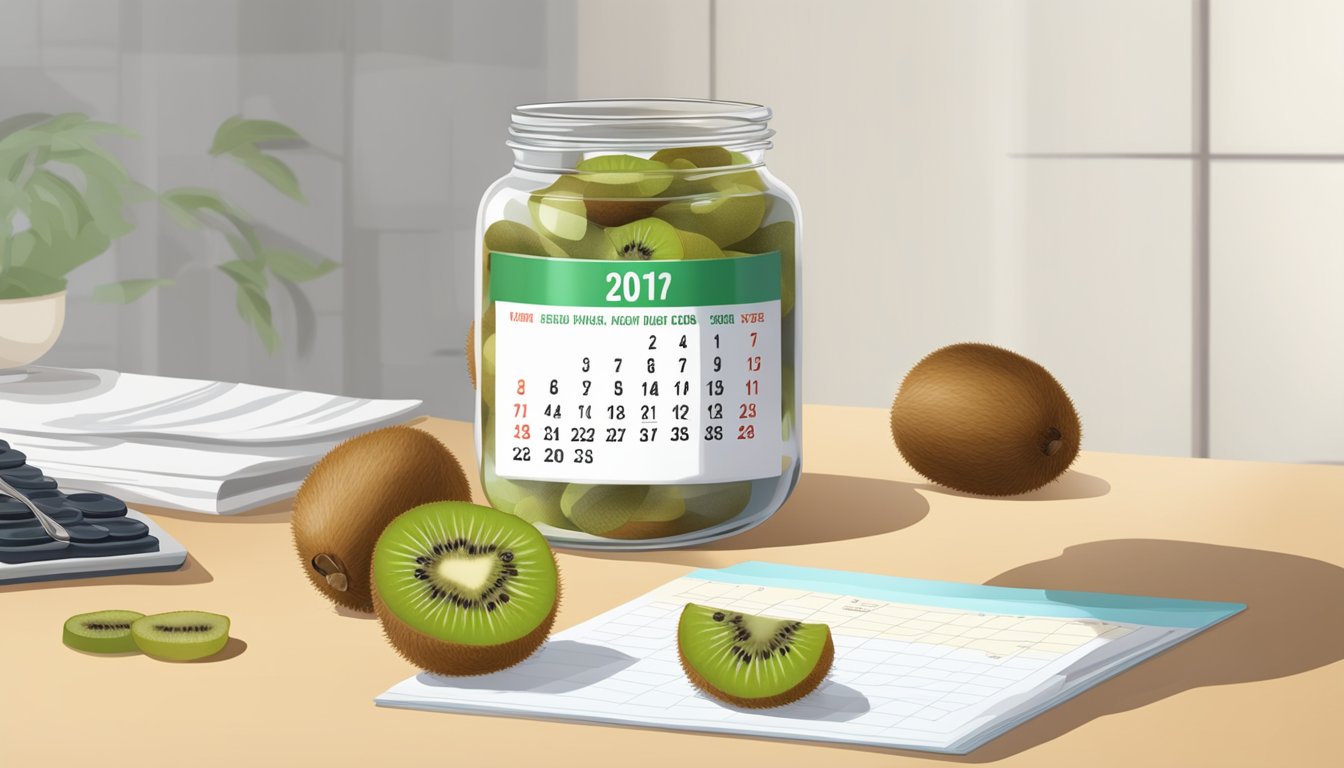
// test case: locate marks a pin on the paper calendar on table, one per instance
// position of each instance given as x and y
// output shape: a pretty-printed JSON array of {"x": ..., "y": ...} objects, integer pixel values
[{"x": 924, "y": 665}]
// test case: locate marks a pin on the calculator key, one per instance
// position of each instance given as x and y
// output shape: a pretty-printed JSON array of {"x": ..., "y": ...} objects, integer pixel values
[
  {"x": 10, "y": 458},
  {"x": 123, "y": 528},
  {"x": 25, "y": 536},
  {"x": 97, "y": 505},
  {"x": 24, "y": 518},
  {"x": 50, "y": 550},
  {"x": 86, "y": 533},
  {"x": 109, "y": 547}
]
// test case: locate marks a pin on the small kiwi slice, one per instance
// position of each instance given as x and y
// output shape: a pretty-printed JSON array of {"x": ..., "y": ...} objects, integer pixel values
[
  {"x": 700, "y": 157},
  {"x": 658, "y": 514},
  {"x": 646, "y": 240},
  {"x": 181, "y": 635},
  {"x": 511, "y": 237},
  {"x": 731, "y": 214},
  {"x": 752, "y": 661},
  {"x": 101, "y": 632},
  {"x": 470, "y": 348},
  {"x": 624, "y": 176},
  {"x": 463, "y": 589},
  {"x": 601, "y": 509},
  {"x": 695, "y": 246},
  {"x": 776, "y": 237},
  {"x": 558, "y": 210},
  {"x": 354, "y": 491},
  {"x": 981, "y": 419}
]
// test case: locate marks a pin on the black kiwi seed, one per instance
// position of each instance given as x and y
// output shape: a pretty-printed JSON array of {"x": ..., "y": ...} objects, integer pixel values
[
  {"x": 489, "y": 606},
  {"x": 422, "y": 560},
  {"x": 421, "y": 574},
  {"x": 718, "y": 617},
  {"x": 506, "y": 556},
  {"x": 504, "y": 597}
]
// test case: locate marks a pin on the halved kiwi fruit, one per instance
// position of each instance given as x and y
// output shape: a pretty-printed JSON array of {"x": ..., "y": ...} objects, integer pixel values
[
  {"x": 354, "y": 491},
  {"x": 463, "y": 589},
  {"x": 752, "y": 661},
  {"x": 646, "y": 240},
  {"x": 181, "y": 635},
  {"x": 101, "y": 632},
  {"x": 981, "y": 419}
]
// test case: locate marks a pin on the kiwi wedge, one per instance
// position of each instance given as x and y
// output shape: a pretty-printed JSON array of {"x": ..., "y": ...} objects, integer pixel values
[
  {"x": 752, "y": 661},
  {"x": 181, "y": 635},
  {"x": 463, "y": 589},
  {"x": 985, "y": 420},
  {"x": 729, "y": 215},
  {"x": 354, "y": 491},
  {"x": 101, "y": 632},
  {"x": 646, "y": 240}
]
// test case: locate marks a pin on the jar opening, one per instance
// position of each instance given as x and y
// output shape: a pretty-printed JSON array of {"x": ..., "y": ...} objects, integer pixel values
[{"x": 551, "y": 136}]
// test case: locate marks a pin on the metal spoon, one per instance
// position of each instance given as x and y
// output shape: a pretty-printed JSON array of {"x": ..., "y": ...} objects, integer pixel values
[{"x": 53, "y": 528}]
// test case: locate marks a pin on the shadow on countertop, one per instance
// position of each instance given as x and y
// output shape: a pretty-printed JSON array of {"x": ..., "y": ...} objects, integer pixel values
[
  {"x": 808, "y": 517},
  {"x": 1070, "y": 486},
  {"x": 1291, "y": 623}
]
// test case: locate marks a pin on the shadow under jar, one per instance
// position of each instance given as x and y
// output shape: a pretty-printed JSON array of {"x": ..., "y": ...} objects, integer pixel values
[{"x": 637, "y": 312}]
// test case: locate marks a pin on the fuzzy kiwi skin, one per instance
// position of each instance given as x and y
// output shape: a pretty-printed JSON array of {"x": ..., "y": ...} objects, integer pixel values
[
  {"x": 457, "y": 659},
  {"x": 804, "y": 686},
  {"x": 983, "y": 420},
  {"x": 354, "y": 492}
]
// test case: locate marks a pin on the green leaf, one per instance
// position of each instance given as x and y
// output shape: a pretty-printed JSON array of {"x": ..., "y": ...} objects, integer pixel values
[
  {"x": 45, "y": 219},
  {"x": 256, "y": 310},
  {"x": 239, "y": 132},
  {"x": 127, "y": 291},
  {"x": 63, "y": 254},
  {"x": 271, "y": 169},
  {"x": 247, "y": 274},
  {"x": 22, "y": 282},
  {"x": 19, "y": 122},
  {"x": 75, "y": 213},
  {"x": 63, "y": 122},
  {"x": 293, "y": 267},
  {"x": 12, "y": 197},
  {"x": 194, "y": 200}
]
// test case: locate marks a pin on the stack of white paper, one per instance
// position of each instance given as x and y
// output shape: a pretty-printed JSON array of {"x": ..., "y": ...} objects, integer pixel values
[{"x": 204, "y": 446}]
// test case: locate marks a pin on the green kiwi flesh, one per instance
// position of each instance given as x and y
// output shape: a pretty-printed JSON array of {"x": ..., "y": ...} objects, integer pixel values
[
  {"x": 645, "y": 240},
  {"x": 181, "y": 635},
  {"x": 775, "y": 237},
  {"x": 731, "y": 214},
  {"x": 463, "y": 589},
  {"x": 981, "y": 419},
  {"x": 752, "y": 661},
  {"x": 101, "y": 632}
]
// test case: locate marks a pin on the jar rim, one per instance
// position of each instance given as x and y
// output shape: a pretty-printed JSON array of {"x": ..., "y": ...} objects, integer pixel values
[{"x": 635, "y": 124}]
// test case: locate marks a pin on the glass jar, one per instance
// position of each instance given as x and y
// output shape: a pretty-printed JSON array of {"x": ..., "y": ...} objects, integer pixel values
[{"x": 637, "y": 304}]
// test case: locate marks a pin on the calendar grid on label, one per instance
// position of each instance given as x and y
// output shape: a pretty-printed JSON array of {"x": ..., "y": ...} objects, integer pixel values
[{"x": 632, "y": 395}]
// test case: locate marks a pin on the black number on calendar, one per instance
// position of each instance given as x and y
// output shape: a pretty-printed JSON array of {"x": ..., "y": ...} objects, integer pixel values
[
  {"x": 650, "y": 388},
  {"x": 646, "y": 434},
  {"x": 522, "y": 454},
  {"x": 653, "y": 342},
  {"x": 583, "y": 456},
  {"x": 615, "y": 434},
  {"x": 618, "y": 365},
  {"x": 554, "y": 455},
  {"x": 616, "y": 412},
  {"x": 650, "y": 365},
  {"x": 587, "y": 385},
  {"x": 716, "y": 341},
  {"x": 683, "y": 342},
  {"x": 648, "y": 412},
  {"x": 746, "y": 432},
  {"x": 586, "y": 364},
  {"x": 552, "y": 434},
  {"x": 555, "y": 386},
  {"x": 680, "y": 412},
  {"x": 553, "y": 411},
  {"x": 715, "y": 410},
  {"x": 748, "y": 411},
  {"x": 718, "y": 364},
  {"x": 713, "y": 433},
  {"x": 585, "y": 411},
  {"x": 682, "y": 360},
  {"x": 715, "y": 387},
  {"x": 683, "y": 387},
  {"x": 582, "y": 434},
  {"x": 681, "y": 434},
  {"x": 618, "y": 388}
]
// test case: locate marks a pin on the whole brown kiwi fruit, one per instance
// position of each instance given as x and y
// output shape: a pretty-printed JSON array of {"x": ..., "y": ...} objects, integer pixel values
[
  {"x": 351, "y": 495},
  {"x": 984, "y": 420}
]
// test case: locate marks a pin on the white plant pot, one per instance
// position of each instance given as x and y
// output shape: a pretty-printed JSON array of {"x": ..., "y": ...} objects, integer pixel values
[{"x": 29, "y": 328}]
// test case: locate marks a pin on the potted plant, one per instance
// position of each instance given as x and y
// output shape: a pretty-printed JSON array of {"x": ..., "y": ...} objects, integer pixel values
[{"x": 63, "y": 201}]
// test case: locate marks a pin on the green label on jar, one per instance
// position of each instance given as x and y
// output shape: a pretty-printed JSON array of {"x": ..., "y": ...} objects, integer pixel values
[{"x": 598, "y": 283}]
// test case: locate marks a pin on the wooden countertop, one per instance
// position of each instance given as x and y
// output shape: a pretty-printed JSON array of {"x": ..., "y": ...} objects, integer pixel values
[{"x": 295, "y": 686}]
